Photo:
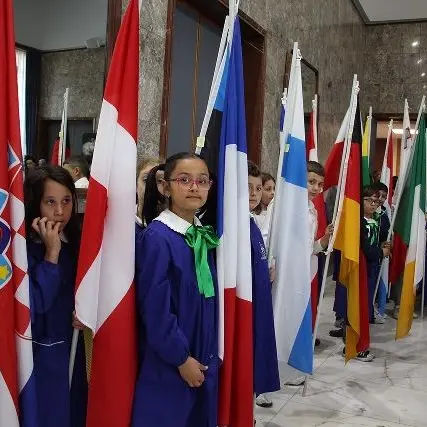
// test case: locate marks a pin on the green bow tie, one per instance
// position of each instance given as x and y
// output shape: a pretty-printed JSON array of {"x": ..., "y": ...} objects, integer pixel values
[{"x": 201, "y": 239}]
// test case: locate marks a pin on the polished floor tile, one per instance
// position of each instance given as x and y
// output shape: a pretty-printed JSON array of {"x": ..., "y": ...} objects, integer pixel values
[{"x": 391, "y": 391}]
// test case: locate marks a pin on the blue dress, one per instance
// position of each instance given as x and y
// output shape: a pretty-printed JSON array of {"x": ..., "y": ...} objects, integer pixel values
[
  {"x": 175, "y": 321},
  {"x": 52, "y": 305},
  {"x": 266, "y": 370}
]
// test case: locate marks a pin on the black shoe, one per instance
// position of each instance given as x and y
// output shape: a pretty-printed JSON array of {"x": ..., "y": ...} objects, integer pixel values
[
  {"x": 336, "y": 333},
  {"x": 317, "y": 342}
]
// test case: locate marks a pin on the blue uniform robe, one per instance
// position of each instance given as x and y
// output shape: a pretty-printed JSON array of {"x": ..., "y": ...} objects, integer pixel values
[
  {"x": 175, "y": 322},
  {"x": 266, "y": 370},
  {"x": 52, "y": 305}
]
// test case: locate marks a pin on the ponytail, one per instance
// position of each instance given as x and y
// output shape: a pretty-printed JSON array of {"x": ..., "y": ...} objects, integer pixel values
[{"x": 154, "y": 201}]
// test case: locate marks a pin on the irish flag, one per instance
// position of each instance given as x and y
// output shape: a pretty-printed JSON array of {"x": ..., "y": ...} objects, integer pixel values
[
  {"x": 105, "y": 291},
  {"x": 409, "y": 232}
]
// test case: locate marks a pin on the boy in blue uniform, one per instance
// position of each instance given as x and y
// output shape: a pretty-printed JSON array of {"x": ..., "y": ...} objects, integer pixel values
[{"x": 266, "y": 370}]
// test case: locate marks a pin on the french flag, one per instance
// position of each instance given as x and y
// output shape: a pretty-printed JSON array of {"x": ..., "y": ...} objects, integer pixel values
[
  {"x": 105, "y": 290},
  {"x": 234, "y": 253},
  {"x": 289, "y": 243},
  {"x": 17, "y": 383}
]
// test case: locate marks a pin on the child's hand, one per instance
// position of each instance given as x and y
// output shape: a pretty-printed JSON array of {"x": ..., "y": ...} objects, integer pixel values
[
  {"x": 192, "y": 372},
  {"x": 324, "y": 241},
  {"x": 386, "y": 251},
  {"x": 329, "y": 230},
  {"x": 49, "y": 233},
  {"x": 76, "y": 322},
  {"x": 272, "y": 271}
]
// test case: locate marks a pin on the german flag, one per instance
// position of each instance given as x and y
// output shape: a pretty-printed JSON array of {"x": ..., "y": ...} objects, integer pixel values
[{"x": 348, "y": 241}]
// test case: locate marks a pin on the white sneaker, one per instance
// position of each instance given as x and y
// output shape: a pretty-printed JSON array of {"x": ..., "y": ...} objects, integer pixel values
[
  {"x": 365, "y": 356},
  {"x": 264, "y": 401},
  {"x": 379, "y": 319},
  {"x": 296, "y": 382}
]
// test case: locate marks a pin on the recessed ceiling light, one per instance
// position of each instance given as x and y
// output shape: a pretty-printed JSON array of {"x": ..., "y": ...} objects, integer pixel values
[
  {"x": 415, "y": 43},
  {"x": 423, "y": 74},
  {"x": 419, "y": 61}
]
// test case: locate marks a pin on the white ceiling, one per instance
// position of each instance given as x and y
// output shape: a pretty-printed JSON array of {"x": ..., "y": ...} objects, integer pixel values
[{"x": 392, "y": 10}]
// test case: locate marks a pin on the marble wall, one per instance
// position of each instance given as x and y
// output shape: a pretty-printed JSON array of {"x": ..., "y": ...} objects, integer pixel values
[
  {"x": 393, "y": 67},
  {"x": 82, "y": 71},
  {"x": 331, "y": 36}
]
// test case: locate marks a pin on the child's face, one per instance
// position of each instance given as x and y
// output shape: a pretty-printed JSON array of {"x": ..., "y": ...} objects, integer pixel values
[
  {"x": 188, "y": 185},
  {"x": 255, "y": 191},
  {"x": 314, "y": 185},
  {"x": 73, "y": 171},
  {"x": 57, "y": 203},
  {"x": 382, "y": 197},
  {"x": 268, "y": 190},
  {"x": 370, "y": 204}
]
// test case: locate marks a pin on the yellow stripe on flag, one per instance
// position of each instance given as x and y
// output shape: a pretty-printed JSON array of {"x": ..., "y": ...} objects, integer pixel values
[
  {"x": 348, "y": 242},
  {"x": 407, "y": 302}
]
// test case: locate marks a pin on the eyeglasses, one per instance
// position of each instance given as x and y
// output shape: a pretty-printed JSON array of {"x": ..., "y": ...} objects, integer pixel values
[
  {"x": 372, "y": 201},
  {"x": 186, "y": 183}
]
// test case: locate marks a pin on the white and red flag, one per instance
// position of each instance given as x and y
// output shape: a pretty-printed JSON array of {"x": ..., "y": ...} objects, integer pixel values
[{"x": 105, "y": 290}]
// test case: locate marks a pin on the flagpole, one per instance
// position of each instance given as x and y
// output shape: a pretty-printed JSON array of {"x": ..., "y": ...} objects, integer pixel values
[
  {"x": 369, "y": 138},
  {"x": 315, "y": 124},
  {"x": 216, "y": 82},
  {"x": 399, "y": 194},
  {"x": 64, "y": 130},
  {"x": 73, "y": 355},
  {"x": 341, "y": 184}
]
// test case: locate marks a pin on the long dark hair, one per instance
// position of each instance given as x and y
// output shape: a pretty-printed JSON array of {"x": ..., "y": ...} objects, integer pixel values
[
  {"x": 154, "y": 201},
  {"x": 33, "y": 194}
]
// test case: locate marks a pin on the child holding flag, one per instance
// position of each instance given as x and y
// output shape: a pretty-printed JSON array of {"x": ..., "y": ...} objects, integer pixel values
[
  {"x": 382, "y": 216},
  {"x": 52, "y": 227},
  {"x": 177, "y": 300},
  {"x": 262, "y": 213},
  {"x": 315, "y": 180},
  {"x": 373, "y": 250},
  {"x": 266, "y": 370}
]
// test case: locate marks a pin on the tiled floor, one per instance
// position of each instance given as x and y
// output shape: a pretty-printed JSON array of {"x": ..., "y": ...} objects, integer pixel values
[{"x": 391, "y": 391}]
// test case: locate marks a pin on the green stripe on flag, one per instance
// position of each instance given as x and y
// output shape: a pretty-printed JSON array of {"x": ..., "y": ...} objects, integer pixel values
[
  {"x": 366, "y": 176},
  {"x": 416, "y": 175}
]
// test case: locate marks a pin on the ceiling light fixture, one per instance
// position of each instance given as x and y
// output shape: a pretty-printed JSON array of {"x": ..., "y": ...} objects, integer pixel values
[
  {"x": 419, "y": 61},
  {"x": 415, "y": 43},
  {"x": 423, "y": 74}
]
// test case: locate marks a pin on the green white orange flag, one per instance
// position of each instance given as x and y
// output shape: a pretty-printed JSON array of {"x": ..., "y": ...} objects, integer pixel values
[{"x": 409, "y": 232}]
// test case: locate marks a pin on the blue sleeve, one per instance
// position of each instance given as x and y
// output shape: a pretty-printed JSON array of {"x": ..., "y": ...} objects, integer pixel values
[
  {"x": 45, "y": 280},
  {"x": 154, "y": 299},
  {"x": 373, "y": 253}
]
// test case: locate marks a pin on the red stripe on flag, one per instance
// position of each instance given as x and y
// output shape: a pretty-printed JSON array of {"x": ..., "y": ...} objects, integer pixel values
[
  {"x": 111, "y": 347},
  {"x": 97, "y": 200},
  {"x": 398, "y": 260},
  {"x": 120, "y": 91},
  {"x": 243, "y": 382},
  {"x": 333, "y": 166}
]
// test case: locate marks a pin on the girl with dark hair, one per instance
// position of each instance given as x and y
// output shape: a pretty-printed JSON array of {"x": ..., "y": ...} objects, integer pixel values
[
  {"x": 177, "y": 296},
  {"x": 53, "y": 238},
  {"x": 154, "y": 200}
]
